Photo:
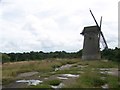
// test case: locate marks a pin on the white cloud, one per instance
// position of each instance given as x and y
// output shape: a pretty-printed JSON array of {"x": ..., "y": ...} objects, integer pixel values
[{"x": 51, "y": 25}]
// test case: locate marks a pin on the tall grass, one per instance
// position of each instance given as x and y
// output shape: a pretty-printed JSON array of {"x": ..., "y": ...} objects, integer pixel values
[
  {"x": 101, "y": 64},
  {"x": 11, "y": 70},
  {"x": 113, "y": 81},
  {"x": 92, "y": 78},
  {"x": 87, "y": 79},
  {"x": 53, "y": 82}
]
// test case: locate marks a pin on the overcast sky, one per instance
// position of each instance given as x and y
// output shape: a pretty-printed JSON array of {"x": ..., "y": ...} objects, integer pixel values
[{"x": 54, "y": 25}]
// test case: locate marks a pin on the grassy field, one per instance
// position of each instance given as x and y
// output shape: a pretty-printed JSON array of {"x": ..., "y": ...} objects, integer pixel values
[
  {"x": 91, "y": 78},
  {"x": 11, "y": 70}
]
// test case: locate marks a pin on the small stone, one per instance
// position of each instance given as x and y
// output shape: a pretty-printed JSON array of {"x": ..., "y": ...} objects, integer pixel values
[
  {"x": 46, "y": 78},
  {"x": 70, "y": 75},
  {"x": 63, "y": 78},
  {"x": 105, "y": 86},
  {"x": 56, "y": 69},
  {"x": 30, "y": 82},
  {"x": 59, "y": 86},
  {"x": 103, "y": 78}
]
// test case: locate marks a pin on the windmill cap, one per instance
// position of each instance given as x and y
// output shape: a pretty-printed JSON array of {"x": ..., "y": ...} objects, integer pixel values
[{"x": 90, "y": 29}]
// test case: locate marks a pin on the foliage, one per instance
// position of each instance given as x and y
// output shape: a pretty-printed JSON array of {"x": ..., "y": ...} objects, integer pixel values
[
  {"x": 27, "y": 56},
  {"x": 110, "y": 54},
  {"x": 13, "y": 69},
  {"x": 113, "y": 81},
  {"x": 7, "y": 80},
  {"x": 53, "y": 82},
  {"x": 5, "y": 58},
  {"x": 42, "y": 86},
  {"x": 90, "y": 79},
  {"x": 102, "y": 64}
]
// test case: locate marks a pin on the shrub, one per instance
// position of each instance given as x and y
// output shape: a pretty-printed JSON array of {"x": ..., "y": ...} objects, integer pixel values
[{"x": 54, "y": 82}]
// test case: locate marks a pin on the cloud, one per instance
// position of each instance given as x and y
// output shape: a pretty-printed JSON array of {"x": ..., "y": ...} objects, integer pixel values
[{"x": 50, "y": 25}]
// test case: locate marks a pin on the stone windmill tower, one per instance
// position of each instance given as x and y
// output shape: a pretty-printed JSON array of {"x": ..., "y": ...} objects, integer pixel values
[{"x": 91, "y": 45}]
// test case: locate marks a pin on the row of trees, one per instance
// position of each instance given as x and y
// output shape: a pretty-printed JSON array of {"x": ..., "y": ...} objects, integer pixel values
[
  {"x": 110, "y": 54},
  {"x": 26, "y": 56}
]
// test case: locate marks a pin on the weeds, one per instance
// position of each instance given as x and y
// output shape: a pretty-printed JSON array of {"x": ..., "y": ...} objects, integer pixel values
[
  {"x": 13, "y": 69},
  {"x": 53, "y": 82},
  {"x": 42, "y": 86},
  {"x": 89, "y": 79},
  {"x": 112, "y": 81}
]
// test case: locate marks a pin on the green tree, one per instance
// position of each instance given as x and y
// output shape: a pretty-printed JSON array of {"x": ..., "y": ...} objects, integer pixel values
[{"x": 5, "y": 58}]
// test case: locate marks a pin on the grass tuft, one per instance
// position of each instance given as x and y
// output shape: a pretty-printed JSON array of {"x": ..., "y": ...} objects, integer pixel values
[
  {"x": 41, "y": 86},
  {"x": 53, "y": 82},
  {"x": 90, "y": 79}
]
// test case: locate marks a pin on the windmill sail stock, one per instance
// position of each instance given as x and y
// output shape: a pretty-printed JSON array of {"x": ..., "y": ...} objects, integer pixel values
[
  {"x": 101, "y": 36},
  {"x": 102, "y": 41}
]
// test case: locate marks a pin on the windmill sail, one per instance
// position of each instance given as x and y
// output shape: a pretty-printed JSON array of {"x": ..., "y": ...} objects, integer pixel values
[
  {"x": 102, "y": 41},
  {"x": 100, "y": 22},
  {"x": 101, "y": 34}
]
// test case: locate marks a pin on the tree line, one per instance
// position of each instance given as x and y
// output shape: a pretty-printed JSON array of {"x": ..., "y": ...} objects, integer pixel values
[
  {"x": 110, "y": 54},
  {"x": 27, "y": 56}
]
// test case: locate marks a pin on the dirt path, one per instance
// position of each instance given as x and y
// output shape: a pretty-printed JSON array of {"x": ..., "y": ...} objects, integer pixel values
[{"x": 27, "y": 74}]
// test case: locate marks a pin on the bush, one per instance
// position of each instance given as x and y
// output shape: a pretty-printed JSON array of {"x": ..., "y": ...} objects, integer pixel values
[
  {"x": 5, "y": 58},
  {"x": 54, "y": 82}
]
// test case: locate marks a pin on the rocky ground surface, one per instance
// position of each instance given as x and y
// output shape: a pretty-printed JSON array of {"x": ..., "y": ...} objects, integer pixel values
[{"x": 34, "y": 78}]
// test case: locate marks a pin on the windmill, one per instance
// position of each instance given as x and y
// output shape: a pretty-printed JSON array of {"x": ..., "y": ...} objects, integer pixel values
[{"x": 92, "y": 36}]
